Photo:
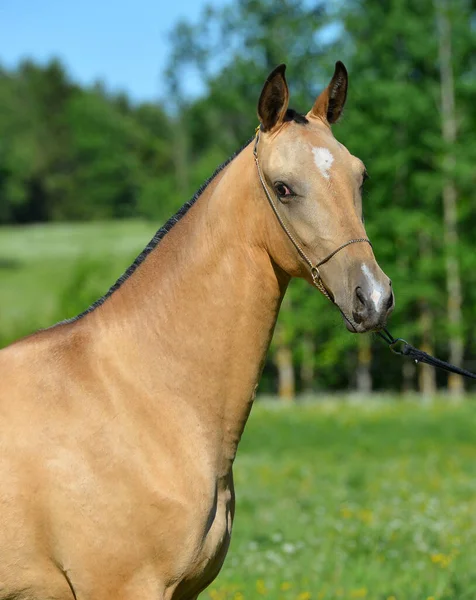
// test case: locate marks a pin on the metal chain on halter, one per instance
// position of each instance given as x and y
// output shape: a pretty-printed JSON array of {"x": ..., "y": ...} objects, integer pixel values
[{"x": 315, "y": 274}]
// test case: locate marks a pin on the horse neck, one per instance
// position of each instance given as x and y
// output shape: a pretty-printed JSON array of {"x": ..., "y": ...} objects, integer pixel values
[{"x": 197, "y": 316}]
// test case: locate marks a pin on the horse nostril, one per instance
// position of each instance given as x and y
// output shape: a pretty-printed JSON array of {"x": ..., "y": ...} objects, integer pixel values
[
  {"x": 390, "y": 301},
  {"x": 360, "y": 295}
]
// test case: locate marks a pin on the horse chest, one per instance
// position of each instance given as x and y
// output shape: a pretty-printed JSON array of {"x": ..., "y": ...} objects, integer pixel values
[{"x": 212, "y": 547}]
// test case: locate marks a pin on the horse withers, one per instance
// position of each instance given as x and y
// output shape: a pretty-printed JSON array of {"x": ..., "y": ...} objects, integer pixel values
[{"x": 119, "y": 427}]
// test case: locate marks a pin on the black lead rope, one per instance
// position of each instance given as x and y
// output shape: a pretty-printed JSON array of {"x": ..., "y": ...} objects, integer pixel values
[{"x": 403, "y": 348}]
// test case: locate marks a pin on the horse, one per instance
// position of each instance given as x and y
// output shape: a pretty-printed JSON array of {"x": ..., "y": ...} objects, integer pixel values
[{"x": 119, "y": 427}]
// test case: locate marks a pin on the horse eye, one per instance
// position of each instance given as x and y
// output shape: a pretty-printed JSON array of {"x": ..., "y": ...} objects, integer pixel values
[{"x": 283, "y": 190}]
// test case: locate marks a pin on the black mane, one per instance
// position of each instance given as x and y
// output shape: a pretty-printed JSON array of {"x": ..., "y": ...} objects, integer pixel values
[
  {"x": 292, "y": 115},
  {"x": 156, "y": 239}
]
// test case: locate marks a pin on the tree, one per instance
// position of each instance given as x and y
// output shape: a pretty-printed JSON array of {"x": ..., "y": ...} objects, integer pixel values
[
  {"x": 399, "y": 81},
  {"x": 72, "y": 153},
  {"x": 449, "y": 192}
]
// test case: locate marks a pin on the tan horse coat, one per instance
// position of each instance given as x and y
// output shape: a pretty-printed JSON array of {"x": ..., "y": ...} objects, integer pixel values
[{"x": 119, "y": 429}]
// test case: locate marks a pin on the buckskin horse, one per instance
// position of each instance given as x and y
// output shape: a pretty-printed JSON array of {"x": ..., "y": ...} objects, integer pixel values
[{"x": 119, "y": 427}]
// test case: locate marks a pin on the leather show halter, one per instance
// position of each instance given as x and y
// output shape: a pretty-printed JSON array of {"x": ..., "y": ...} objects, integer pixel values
[{"x": 316, "y": 276}]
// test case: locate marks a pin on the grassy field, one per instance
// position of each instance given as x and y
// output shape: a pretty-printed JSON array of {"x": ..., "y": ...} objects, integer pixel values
[
  {"x": 51, "y": 272},
  {"x": 336, "y": 500}
]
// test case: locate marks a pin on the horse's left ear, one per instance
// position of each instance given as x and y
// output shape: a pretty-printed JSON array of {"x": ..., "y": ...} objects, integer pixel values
[
  {"x": 330, "y": 104},
  {"x": 274, "y": 99}
]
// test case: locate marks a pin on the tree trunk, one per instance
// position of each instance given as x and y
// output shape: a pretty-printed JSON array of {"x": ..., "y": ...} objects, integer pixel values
[
  {"x": 364, "y": 360},
  {"x": 180, "y": 154},
  {"x": 449, "y": 194},
  {"x": 426, "y": 375},
  {"x": 408, "y": 377},
  {"x": 307, "y": 364},
  {"x": 408, "y": 366},
  {"x": 284, "y": 364}
]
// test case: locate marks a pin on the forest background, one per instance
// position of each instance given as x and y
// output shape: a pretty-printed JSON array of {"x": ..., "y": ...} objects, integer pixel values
[{"x": 84, "y": 168}]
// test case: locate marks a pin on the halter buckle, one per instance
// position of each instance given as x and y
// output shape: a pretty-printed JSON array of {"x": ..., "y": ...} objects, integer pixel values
[{"x": 398, "y": 346}]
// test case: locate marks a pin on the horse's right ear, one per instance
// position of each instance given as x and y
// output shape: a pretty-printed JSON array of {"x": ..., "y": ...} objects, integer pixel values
[
  {"x": 329, "y": 105},
  {"x": 274, "y": 99}
]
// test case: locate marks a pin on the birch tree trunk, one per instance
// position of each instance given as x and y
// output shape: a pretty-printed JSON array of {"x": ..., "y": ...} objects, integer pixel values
[
  {"x": 426, "y": 375},
  {"x": 364, "y": 360},
  {"x": 181, "y": 160},
  {"x": 283, "y": 356},
  {"x": 449, "y": 132},
  {"x": 408, "y": 376},
  {"x": 285, "y": 367},
  {"x": 307, "y": 370}
]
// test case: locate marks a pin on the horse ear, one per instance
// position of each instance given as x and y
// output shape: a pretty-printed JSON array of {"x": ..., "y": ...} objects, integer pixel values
[
  {"x": 274, "y": 99},
  {"x": 330, "y": 104}
]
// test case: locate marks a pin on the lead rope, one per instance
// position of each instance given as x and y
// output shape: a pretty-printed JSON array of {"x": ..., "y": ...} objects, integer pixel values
[
  {"x": 403, "y": 348},
  {"x": 316, "y": 276}
]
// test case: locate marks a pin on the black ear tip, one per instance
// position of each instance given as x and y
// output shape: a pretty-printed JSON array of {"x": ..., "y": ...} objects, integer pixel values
[
  {"x": 279, "y": 70},
  {"x": 340, "y": 67}
]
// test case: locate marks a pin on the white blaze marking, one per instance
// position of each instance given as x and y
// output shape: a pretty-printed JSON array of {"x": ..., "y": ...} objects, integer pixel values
[
  {"x": 378, "y": 290},
  {"x": 323, "y": 159},
  {"x": 375, "y": 296}
]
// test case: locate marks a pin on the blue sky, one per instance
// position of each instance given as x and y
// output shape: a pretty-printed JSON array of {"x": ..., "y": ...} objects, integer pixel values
[{"x": 123, "y": 42}]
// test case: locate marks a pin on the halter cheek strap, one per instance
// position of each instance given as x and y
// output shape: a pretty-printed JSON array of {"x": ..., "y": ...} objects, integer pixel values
[{"x": 314, "y": 268}]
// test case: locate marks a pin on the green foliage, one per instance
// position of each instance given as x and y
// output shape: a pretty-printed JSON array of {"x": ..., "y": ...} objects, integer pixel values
[{"x": 68, "y": 153}]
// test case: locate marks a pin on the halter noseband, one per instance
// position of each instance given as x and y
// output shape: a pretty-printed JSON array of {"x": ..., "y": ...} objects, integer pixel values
[{"x": 316, "y": 276}]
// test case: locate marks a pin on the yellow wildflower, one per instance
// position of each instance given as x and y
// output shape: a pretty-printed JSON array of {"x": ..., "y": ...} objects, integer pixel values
[
  {"x": 365, "y": 515},
  {"x": 261, "y": 587},
  {"x": 440, "y": 559},
  {"x": 286, "y": 586},
  {"x": 345, "y": 512},
  {"x": 359, "y": 593}
]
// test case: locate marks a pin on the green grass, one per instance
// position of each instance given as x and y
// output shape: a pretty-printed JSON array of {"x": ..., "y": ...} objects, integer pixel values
[
  {"x": 335, "y": 500},
  {"x": 41, "y": 269}
]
